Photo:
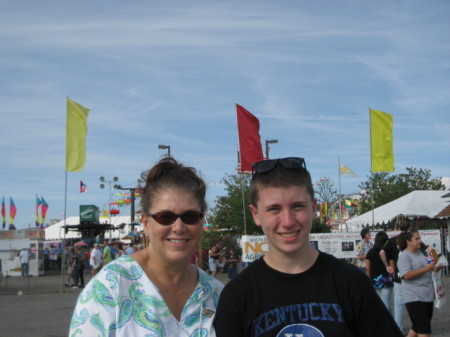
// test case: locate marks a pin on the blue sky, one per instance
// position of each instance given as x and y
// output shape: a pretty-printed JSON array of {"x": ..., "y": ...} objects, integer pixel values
[{"x": 170, "y": 72}]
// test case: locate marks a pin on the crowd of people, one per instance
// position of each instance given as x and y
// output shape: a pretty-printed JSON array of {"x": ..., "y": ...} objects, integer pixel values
[
  {"x": 168, "y": 288},
  {"x": 93, "y": 259},
  {"x": 398, "y": 266}
]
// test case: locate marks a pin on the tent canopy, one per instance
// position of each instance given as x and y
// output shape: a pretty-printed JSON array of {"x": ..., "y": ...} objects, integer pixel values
[
  {"x": 414, "y": 204},
  {"x": 56, "y": 231}
]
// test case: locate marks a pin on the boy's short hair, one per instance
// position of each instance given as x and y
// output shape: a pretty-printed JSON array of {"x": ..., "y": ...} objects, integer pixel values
[
  {"x": 280, "y": 176},
  {"x": 364, "y": 231}
]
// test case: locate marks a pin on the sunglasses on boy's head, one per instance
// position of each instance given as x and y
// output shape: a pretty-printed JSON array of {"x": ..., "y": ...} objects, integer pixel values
[
  {"x": 291, "y": 163},
  {"x": 167, "y": 218}
]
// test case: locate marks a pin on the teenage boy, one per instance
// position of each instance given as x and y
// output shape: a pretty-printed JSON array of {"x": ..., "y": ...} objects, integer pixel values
[{"x": 295, "y": 290}]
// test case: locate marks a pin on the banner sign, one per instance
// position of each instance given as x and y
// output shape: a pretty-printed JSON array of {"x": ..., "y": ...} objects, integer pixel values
[{"x": 341, "y": 245}]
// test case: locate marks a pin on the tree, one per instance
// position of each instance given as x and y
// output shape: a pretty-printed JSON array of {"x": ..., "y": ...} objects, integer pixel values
[
  {"x": 318, "y": 226},
  {"x": 385, "y": 187},
  {"x": 228, "y": 214}
]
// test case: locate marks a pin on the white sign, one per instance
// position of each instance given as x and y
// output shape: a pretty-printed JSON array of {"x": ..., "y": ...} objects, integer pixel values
[{"x": 341, "y": 245}]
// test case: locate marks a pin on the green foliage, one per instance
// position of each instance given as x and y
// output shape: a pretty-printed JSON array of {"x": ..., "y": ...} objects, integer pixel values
[
  {"x": 318, "y": 226},
  {"x": 228, "y": 241},
  {"x": 228, "y": 214},
  {"x": 386, "y": 187}
]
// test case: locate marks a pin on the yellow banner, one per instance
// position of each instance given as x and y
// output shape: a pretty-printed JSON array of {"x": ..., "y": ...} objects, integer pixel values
[
  {"x": 381, "y": 141},
  {"x": 76, "y": 130}
]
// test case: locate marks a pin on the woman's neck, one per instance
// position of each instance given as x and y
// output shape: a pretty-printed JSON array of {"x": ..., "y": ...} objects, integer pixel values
[{"x": 412, "y": 249}]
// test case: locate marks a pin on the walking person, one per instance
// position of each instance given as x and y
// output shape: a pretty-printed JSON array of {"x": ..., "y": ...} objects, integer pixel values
[
  {"x": 156, "y": 291},
  {"x": 417, "y": 284}
]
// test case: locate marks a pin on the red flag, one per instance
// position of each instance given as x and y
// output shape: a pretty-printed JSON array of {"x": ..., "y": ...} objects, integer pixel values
[{"x": 249, "y": 141}]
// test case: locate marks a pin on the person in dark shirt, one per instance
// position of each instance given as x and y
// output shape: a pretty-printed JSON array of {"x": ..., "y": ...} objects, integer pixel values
[
  {"x": 294, "y": 289},
  {"x": 376, "y": 270}
]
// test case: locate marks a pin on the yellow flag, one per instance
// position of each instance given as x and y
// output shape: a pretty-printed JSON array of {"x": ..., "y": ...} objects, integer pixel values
[
  {"x": 381, "y": 141},
  {"x": 76, "y": 130}
]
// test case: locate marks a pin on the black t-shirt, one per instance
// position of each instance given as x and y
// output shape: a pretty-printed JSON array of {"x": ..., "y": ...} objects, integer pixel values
[
  {"x": 332, "y": 298},
  {"x": 378, "y": 274},
  {"x": 392, "y": 252},
  {"x": 232, "y": 260}
]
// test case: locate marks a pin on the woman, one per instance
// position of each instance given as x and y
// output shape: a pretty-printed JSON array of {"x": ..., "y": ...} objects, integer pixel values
[
  {"x": 417, "y": 284},
  {"x": 156, "y": 291},
  {"x": 213, "y": 260},
  {"x": 376, "y": 270},
  {"x": 69, "y": 266}
]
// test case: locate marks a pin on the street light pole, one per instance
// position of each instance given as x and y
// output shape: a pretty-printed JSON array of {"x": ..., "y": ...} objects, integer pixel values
[
  {"x": 163, "y": 147},
  {"x": 269, "y": 141}
]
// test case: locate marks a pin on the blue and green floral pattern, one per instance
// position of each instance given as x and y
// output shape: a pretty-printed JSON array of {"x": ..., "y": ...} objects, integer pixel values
[{"x": 122, "y": 301}]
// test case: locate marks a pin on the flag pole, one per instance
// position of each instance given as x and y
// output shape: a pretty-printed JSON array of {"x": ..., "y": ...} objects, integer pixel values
[
  {"x": 242, "y": 192},
  {"x": 63, "y": 260},
  {"x": 371, "y": 171},
  {"x": 340, "y": 192}
]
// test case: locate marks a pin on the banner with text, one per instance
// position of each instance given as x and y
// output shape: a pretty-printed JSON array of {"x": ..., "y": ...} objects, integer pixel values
[{"x": 341, "y": 245}]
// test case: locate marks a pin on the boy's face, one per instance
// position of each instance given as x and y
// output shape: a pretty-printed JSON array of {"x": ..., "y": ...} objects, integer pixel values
[{"x": 285, "y": 216}]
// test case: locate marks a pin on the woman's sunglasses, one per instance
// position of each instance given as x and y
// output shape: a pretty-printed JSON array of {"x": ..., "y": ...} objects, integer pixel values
[
  {"x": 292, "y": 163},
  {"x": 166, "y": 218}
]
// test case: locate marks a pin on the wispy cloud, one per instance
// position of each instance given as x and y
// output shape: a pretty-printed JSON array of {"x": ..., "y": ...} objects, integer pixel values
[{"x": 170, "y": 72}]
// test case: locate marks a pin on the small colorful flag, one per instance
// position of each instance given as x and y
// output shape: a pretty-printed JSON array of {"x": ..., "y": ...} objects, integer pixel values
[
  {"x": 3, "y": 213},
  {"x": 12, "y": 213},
  {"x": 350, "y": 204},
  {"x": 83, "y": 187},
  {"x": 38, "y": 205},
  {"x": 345, "y": 171},
  {"x": 44, "y": 209}
]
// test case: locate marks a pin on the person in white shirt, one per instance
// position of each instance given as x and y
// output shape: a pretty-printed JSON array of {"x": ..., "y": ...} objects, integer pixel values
[
  {"x": 96, "y": 259},
  {"x": 24, "y": 262}
]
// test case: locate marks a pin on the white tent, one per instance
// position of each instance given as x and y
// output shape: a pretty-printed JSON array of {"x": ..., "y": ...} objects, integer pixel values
[
  {"x": 56, "y": 231},
  {"x": 414, "y": 204}
]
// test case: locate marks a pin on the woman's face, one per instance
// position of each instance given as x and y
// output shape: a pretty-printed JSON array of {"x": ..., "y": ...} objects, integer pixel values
[
  {"x": 173, "y": 243},
  {"x": 415, "y": 241}
]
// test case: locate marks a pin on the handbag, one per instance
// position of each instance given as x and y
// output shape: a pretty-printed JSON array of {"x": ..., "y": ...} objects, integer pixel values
[{"x": 439, "y": 292}]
